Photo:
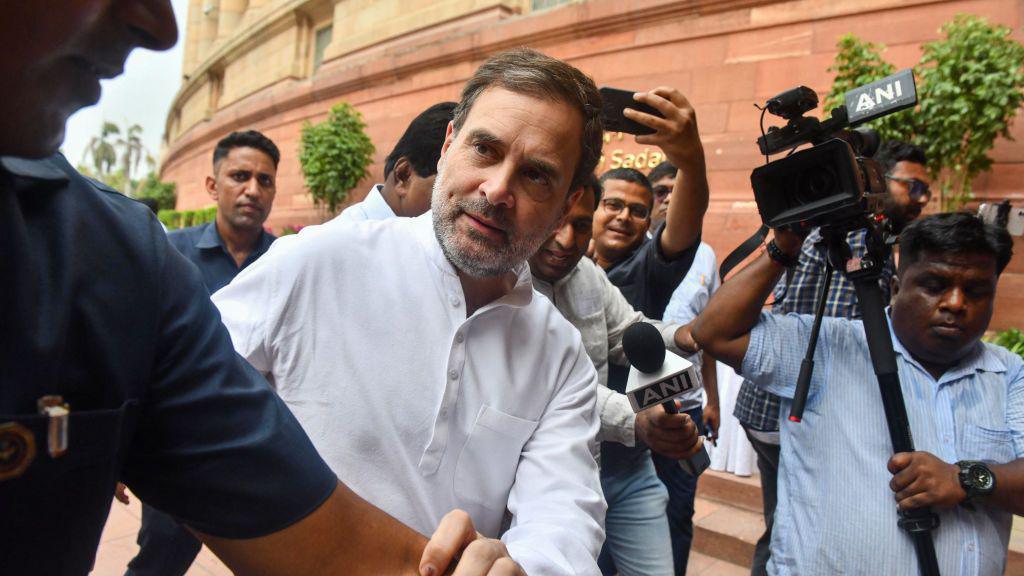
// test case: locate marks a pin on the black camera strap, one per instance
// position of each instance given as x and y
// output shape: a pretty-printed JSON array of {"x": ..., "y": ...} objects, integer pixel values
[{"x": 742, "y": 251}]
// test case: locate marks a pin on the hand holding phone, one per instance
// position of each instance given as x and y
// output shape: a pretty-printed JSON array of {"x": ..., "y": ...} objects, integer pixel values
[
  {"x": 661, "y": 117},
  {"x": 614, "y": 101}
]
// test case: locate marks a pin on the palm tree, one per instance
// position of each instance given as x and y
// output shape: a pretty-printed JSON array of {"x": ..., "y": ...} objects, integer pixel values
[
  {"x": 103, "y": 153},
  {"x": 132, "y": 152}
]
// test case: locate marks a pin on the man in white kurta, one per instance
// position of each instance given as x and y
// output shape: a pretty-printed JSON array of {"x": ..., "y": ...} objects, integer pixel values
[{"x": 424, "y": 391}]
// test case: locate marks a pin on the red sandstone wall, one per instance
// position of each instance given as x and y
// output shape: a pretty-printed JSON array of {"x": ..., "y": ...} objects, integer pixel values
[{"x": 724, "y": 55}]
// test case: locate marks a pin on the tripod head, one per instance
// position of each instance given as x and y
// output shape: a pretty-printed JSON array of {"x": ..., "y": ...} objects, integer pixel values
[{"x": 878, "y": 248}]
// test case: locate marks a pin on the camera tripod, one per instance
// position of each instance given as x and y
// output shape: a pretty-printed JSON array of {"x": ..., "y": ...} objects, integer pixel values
[{"x": 865, "y": 272}]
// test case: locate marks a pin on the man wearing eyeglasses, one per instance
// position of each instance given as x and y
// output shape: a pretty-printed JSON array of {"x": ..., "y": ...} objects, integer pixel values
[
  {"x": 758, "y": 411},
  {"x": 647, "y": 272}
]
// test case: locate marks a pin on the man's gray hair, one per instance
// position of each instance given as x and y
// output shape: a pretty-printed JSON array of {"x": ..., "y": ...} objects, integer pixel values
[{"x": 526, "y": 71}]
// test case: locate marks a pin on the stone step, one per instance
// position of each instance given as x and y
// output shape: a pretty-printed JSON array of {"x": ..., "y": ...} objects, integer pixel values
[
  {"x": 728, "y": 533},
  {"x": 704, "y": 565},
  {"x": 728, "y": 521},
  {"x": 742, "y": 492},
  {"x": 725, "y": 532},
  {"x": 1014, "y": 563}
]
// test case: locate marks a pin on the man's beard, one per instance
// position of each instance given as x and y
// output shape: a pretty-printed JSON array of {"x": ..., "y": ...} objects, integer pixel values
[
  {"x": 898, "y": 216},
  {"x": 471, "y": 252}
]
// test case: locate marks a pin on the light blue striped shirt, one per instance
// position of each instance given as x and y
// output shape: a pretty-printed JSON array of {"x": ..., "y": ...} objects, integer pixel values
[
  {"x": 836, "y": 513},
  {"x": 689, "y": 300}
]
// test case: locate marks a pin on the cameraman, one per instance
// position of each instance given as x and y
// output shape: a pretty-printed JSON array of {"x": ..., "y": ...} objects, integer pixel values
[
  {"x": 758, "y": 410},
  {"x": 964, "y": 399}
]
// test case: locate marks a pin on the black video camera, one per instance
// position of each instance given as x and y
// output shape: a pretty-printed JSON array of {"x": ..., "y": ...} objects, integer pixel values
[{"x": 835, "y": 180}]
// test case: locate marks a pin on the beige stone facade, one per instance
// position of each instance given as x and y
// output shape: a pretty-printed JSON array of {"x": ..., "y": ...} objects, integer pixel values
[{"x": 272, "y": 65}]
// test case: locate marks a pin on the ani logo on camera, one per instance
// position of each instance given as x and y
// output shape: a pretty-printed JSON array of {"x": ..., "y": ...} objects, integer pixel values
[{"x": 886, "y": 95}]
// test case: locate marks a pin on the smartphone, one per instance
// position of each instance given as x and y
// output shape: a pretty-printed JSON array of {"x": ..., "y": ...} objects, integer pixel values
[{"x": 614, "y": 102}]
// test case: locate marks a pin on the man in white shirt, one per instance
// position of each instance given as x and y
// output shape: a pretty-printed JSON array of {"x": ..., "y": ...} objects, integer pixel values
[
  {"x": 416, "y": 354},
  {"x": 409, "y": 170},
  {"x": 636, "y": 526}
]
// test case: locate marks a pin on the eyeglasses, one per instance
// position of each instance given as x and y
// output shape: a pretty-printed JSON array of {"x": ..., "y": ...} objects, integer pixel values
[
  {"x": 918, "y": 190},
  {"x": 616, "y": 206},
  {"x": 661, "y": 192}
]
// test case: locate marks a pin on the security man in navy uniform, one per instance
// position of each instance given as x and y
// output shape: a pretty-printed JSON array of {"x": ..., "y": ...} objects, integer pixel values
[
  {"x": 113, "y": 362},
  {"x": 243, "y": 184}
]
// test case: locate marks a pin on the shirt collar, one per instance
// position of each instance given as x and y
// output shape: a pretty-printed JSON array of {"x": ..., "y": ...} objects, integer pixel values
[
  {"x": 648, "y": 237},
  {"x": 51, "y": 169},
  {"x": 375, "y": 206},
  {"x": 564, "y": 280},
  {"x": 979, "y": 359},
  {"x": 520, "y": 295},
  {"x": 209, "y": 237}
]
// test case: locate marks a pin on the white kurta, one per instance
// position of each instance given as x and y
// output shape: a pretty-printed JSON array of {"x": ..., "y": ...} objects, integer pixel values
[
  {"x": 362, "y": 328},
  {"x": 373, "y": 207}
]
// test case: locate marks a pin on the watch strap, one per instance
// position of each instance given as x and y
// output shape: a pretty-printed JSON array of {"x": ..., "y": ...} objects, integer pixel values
[{"x": 776, "y": 254}]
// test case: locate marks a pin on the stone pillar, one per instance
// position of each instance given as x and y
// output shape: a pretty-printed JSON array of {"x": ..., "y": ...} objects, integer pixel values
[
  {"x": 231, "y": 12},
  {"x": 192, "y": 31},
  {"x": 208, "y": 29},
  {"x": 344, "y": 15}
]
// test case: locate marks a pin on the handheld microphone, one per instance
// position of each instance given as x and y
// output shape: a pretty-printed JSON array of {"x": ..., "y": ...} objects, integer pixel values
[{"x": 657, "y": 376}]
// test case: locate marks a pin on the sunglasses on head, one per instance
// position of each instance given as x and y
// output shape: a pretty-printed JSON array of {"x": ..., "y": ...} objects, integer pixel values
[{"x": 918, "y": 189}]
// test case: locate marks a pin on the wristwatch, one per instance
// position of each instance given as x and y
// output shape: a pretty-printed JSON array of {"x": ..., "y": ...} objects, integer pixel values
[
  {"x": 976, "y": 478},
  {"x": 776, "y": 254}
]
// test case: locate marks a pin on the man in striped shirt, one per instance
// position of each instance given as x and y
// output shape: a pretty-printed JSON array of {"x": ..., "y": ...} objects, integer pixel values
[
  {"x": 838, "y": 480},
  {"x": 757, "y": 409}
]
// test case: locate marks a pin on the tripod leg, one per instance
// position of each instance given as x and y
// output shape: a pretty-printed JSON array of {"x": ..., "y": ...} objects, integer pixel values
[{"x": 917, "y": 523}]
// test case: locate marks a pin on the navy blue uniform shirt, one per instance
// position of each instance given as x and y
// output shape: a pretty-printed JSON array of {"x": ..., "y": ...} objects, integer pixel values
[
  {"x": 204, "y": 247},
  {"x": 95, "y": 306},
  {"x": 647, "y": 279}
]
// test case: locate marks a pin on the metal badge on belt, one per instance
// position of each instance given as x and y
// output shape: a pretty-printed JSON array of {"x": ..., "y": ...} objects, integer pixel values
[
  {"x": 18, "y": 443},
  {"x": 17, "y": 450}
]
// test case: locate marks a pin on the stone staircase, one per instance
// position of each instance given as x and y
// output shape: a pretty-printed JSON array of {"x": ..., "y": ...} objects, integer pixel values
[{"x": 728, "y": 520}]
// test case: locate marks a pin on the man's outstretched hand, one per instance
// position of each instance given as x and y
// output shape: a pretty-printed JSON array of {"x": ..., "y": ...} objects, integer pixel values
[
  {"x": 479, "y": 556},
  {"x": 676, "y": 134}
]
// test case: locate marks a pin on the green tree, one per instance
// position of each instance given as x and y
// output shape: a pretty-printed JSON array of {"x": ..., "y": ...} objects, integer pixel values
[
  {"x": 335, "y": 155},
  {"x": 858, "y": 63},
  {"x": 115, "y": 180},
  {"x": 973, "y": 85},
  {"x": 113, "y": 157},
  {"x": 162, "y": 192},
  {"x": 132, "y": 152},
  {"x": 101, "y": 149},
  {"x": 970, "y": 85}
]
